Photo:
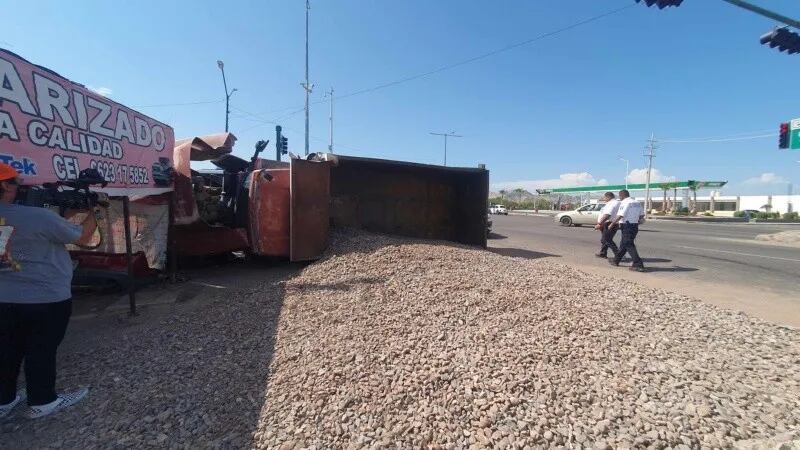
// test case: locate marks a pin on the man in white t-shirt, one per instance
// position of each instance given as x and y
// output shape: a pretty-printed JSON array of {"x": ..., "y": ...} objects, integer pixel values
[
  {"x": 607, "y": 216},
  {"x": 629, "y": 215}
]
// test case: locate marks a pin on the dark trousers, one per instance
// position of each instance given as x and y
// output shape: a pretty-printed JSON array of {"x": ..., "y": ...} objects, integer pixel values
[
  {"x": 627, "y": 244},
  {"x": 31, "y": 332},
  {"x": 607, "y": 239}
]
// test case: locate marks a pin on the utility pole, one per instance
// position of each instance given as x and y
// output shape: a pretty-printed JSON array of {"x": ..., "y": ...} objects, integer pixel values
[
  {"x": 446, "y": 135},
  {"x": 627, "y": 170},
  {"x": 221, "y": 66},
  {"x": 651, "y": 148},
  {"x": 330, "y": 117},
  {"x": 307, "y": 86}
]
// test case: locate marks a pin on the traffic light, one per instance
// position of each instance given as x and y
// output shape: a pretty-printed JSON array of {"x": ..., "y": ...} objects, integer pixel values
[
  {"x": 281, "y": 143},
  {"x": 786, "y": 41},
  {"x": 284, "y": 145},
  {"x": 783, "y": 137},
  {"x": 661, "y": 3}
]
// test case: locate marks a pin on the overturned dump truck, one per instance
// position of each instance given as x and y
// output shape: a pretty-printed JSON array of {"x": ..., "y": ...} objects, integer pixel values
[
  {"x": 251, "y": 206},
  {"x": 285, "y": 209}
]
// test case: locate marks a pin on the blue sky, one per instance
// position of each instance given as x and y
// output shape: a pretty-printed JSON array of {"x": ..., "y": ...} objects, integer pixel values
[{"x": 560, "y": 110}]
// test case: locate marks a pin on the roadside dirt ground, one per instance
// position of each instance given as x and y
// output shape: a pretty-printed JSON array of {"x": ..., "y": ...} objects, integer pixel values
[
  {"x": 762, "y": 304},
  {"x": 173, "y": 362}
]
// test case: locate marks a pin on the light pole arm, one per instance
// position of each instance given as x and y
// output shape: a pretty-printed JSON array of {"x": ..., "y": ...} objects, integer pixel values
[{"x": 765, "y": 12}]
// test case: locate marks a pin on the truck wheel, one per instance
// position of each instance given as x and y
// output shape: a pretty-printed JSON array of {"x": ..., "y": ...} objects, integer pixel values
[{"x": 566, "y": 221}]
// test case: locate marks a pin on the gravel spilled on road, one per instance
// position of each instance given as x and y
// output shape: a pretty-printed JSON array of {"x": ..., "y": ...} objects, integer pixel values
[
  {"x": 390, "y": 343},
  {"x": 412, "y": 344},
  {"x": 790, "y": 238}
]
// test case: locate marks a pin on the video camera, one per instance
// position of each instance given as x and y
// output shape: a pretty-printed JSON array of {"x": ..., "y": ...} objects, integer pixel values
[{"x": 77, "y": 197}]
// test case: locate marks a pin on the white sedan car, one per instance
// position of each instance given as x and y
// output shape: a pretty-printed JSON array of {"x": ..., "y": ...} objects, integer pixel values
[
  {"x": 498, "y": 209},
  {"x": 585, "y": 215}
]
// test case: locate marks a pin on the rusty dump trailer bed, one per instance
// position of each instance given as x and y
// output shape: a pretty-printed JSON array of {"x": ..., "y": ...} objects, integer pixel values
[{"x": 409, "y": 199}]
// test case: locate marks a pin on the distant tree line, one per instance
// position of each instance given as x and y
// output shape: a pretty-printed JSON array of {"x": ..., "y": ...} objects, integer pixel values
[{"x": 539, "y": 203}]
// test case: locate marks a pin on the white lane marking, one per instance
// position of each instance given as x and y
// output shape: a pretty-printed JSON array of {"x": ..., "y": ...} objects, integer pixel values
[
  {"x": 215, "y": 286},
  {"x": 739, "y": 253}
]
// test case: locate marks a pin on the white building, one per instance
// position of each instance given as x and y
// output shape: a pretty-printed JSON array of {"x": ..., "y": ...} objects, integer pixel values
[{"x": 726, "y": 205}]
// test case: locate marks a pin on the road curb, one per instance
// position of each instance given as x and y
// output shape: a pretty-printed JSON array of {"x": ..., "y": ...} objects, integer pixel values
[
  {"x": 721, "y": 220},
  {"x": 531, "y": 213},
  {"x": 698, "y": 219}
]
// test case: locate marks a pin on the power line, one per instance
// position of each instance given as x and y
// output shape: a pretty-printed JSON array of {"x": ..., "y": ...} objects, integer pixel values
[
  {"x": 297, "y": 111},
  {"x": 251, "y": 128},
  {"x": 164, "y": 105},
  {"x": 438, "y": 70},
  {"x": 730, "y": 139},
  {"x": 267, "y": 122},
  {"x": 474, "y": 58},
  {"x": 744, "y": 133},
  {"x": 255, "y": 116},
  {"x": 487, "y": 54}
]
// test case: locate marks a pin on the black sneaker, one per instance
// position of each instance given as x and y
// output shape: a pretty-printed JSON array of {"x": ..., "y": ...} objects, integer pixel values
[
  {"x": 600, "y": 255},
  {"x": 613, "y": 262}
]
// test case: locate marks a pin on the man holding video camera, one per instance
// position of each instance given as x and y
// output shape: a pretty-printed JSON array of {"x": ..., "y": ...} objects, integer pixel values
[{"x": 35, "y": 298}]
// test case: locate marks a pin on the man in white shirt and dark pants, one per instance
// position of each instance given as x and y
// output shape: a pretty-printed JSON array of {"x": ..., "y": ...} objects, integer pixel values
[
  {"x": 629, "y": 215},
  {"x": 607, "y": 216}
]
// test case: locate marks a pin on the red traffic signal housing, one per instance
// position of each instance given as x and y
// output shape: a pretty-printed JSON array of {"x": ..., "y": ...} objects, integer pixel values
[{"x": 783, "y": 137}]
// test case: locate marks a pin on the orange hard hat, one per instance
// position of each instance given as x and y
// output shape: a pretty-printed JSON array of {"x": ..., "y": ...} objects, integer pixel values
[{"x": 7, "y": 172}]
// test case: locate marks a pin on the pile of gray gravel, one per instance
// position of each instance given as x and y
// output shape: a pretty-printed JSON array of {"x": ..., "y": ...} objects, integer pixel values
[{"x": 390, "y": 343}]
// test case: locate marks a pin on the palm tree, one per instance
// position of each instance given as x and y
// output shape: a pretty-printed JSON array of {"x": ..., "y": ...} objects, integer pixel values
[
  {"x": 693, "y": 208},
  {"x": 664, "y": 187},
  {"x": 520, "y": 194},
  {"x": 503, "y": 193}
]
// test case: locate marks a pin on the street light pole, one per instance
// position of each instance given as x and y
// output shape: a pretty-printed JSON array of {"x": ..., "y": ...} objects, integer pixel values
[
  {"x": 627, "y": 171},
  {"x": 446, "y": 135},
  {"x": 221, "y": 66}
]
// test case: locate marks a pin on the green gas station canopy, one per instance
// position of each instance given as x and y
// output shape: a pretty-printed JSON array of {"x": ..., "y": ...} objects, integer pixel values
[{"x": 691, "y": 184}]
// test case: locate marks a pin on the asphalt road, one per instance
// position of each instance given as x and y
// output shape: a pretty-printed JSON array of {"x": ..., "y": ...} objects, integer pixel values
[{"x": 722, "y": 263}]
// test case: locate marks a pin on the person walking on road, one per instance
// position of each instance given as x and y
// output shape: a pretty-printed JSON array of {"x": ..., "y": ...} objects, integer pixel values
[
  {"x": 35, "y": 298},
  {"x": 607, "y": 233},
  {"x": 629, "y": 215}
]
